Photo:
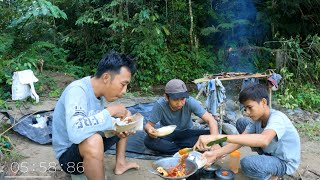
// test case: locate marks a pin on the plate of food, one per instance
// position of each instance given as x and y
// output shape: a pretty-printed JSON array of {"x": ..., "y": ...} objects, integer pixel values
[
  {"x": 165, "y": 130},
  {"x": 131, "y": 123}
]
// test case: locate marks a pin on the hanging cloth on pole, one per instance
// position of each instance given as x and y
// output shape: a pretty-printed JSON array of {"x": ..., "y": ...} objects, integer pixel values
[{"x": 216, "y": 95}]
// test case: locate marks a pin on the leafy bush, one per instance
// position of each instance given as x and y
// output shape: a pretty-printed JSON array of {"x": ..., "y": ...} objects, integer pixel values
[
  {"x": 312, "y": 130},
  {"x": 294, "y": 93},
  {"x": 301, "y": 57},
  {"x": 36, "y": 9},
  {"x": 308, "y": 97}
]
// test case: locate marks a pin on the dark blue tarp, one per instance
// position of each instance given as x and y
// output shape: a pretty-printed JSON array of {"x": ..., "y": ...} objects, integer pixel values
[
  {"x": 24, "y": 127},
  {"x": 135, "y": 146}
]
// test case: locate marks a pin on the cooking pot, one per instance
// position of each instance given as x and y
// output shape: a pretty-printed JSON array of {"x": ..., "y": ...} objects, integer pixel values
[
  {"x": 224, "y": 174},
  {"x": 209, "y": 172},
  {"x": 170, "y": 162}
]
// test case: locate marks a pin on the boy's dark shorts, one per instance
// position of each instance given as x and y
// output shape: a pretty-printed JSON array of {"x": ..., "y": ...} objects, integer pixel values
[{"x": 71, "y": 161}]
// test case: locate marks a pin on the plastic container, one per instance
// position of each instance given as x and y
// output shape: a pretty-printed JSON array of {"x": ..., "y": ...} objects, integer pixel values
[{"x": 235, "y": 161}]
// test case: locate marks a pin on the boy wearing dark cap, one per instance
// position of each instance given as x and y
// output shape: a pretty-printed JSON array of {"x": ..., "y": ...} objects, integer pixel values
[{"x": 175, "y": 108}]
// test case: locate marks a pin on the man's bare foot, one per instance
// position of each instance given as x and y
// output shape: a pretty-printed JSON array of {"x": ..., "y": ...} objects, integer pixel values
[
  {"x": 122, "y": 168},
  {"x": 273, "y": 177}
]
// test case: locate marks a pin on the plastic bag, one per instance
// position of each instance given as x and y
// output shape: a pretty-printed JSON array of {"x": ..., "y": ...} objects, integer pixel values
[{"x": 22, "y": 85}]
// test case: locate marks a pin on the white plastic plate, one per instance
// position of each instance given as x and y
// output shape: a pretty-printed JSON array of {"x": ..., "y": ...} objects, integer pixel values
[{"x": 165, "y": 130}]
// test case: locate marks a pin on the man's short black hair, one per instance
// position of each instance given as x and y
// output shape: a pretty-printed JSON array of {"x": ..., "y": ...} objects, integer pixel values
[
  {"x": 112, "y": 62},
  {"x": 254, "y": 92}
]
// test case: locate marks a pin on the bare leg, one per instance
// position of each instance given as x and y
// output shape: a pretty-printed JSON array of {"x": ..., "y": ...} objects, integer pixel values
[
  {"x": 92, "y": 153},
  {"x": 121, "y": 164}
]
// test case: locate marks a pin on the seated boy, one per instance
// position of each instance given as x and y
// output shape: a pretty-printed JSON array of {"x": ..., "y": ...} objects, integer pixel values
[
  {"x": 270, "y": 132},
  {"x": 175, "y": 109}
]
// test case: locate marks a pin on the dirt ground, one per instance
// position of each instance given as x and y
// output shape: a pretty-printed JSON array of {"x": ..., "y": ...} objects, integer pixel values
[{"x": 39, "y": 156}]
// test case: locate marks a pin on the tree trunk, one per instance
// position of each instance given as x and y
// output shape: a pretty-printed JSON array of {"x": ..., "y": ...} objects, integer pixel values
[{"x": 191, "y": 26}]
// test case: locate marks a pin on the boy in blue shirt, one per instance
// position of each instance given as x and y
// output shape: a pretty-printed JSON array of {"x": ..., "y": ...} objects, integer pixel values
[
  {"x": 176, "y": 109},
  {"x": 269, "y": 131}
]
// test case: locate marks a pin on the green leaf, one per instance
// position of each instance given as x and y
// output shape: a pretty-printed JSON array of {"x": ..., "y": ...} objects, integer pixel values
[
  {"x": 158, "y": 30},
  {"x": 166, "y": 31},
  {"x": 43, "y": 7}
]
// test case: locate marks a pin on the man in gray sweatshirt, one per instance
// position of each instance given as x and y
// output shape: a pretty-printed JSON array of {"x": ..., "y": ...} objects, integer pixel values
[{"x": 80, "y": 117}]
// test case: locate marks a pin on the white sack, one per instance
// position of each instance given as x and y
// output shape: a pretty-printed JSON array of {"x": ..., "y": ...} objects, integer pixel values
[{"x": 22, "y": 85}]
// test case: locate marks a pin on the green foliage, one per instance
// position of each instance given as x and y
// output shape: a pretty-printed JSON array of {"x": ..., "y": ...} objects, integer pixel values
[
  {"x": 285, "y": 97},
  {"x": 28, "y": 41},
  {"x": 311, "y": 130},
  {"x": 308, "y": 97},
  {"x": 55, "y": 93},
  {"x": 19, "y": 104},
  {"x": 38, "y": 56},
  {"x": 38, "y": 8},
  {"x": 71, "y": 37},
  {"x": 185, "y": 65},
  {"x": 291, "y": 17},
  {"x": 46, "y": 85},
  {"x": 6, "y": 42},
  {"x": 302, "y": 57},
  {"x": 295, "y": 94},
  {"x": 224, "y": 27},
  {"x": 3, "y": 104},
  {"x": 287, "y": 100},
  {"x": 7, "y": 149},
  {"x": 38, "y": 53}
]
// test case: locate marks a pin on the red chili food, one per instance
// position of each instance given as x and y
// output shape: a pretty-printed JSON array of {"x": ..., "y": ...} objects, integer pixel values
[{"x": 225, "y": 173}]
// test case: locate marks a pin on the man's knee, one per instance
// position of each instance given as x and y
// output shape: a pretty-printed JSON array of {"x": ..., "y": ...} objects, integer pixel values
[{"x": 92, "y": 147}]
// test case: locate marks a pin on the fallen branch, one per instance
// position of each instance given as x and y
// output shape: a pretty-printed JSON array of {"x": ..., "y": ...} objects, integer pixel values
[
  {"x": 315, "y": 173},
  {"x": 18, "y": 123}
]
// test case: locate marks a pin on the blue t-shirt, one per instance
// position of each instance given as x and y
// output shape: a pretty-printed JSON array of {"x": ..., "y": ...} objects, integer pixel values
[
  {"x": 286, "y": 145},
  {"x": 78, "y": 115},
  {"x": 162, "y": 113}
]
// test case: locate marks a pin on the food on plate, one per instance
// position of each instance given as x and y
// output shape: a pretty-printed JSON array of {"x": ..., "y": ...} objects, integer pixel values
[
  {"x": 185, "y": 151},
  {"x": 128, "y": 120},
  {"x": 177, "y": 171},
  {"x": 162, "y": 171}
]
